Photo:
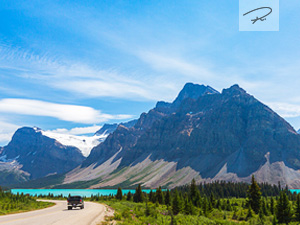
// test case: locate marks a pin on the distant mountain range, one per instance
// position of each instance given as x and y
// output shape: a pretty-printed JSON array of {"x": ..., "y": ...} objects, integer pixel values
[
  {"x": 107, "y": 128},
  {"x": 202, "y": 134},
  {"x": 34, "y": 153}
]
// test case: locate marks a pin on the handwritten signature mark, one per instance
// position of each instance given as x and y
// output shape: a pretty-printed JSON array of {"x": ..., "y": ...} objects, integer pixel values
[{"x": 259, "y": 18}]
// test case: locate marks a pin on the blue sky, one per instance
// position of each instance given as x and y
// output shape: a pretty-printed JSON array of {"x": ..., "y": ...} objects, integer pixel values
[{"x": 79, "y": 64}]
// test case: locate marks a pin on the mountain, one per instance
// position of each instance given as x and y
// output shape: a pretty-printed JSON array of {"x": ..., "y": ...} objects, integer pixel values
[
  {"x": 84, "y": 143},
  {"x": 202, "y": 134},
  {"x": 31, "y": 155},
  {"x": 126, "y": 137},
  {"x": 14, "y": 158},
  {"x": 107, "y": 128}
]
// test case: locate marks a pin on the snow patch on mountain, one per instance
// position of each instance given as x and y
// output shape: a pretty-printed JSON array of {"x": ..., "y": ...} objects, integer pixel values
[{"x": 84, "y": 143}]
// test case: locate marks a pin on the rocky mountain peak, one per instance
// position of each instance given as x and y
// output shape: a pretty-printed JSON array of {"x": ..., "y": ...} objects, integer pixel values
[
  {"x": 193, "y": 91},
  {"x": 25, "y": 135},
  {"x": 234, "y": 90},
  {"x": 189, "y": 91},
  {"x": 107, "y": 129},
  {"x": 39, "y": 155}
]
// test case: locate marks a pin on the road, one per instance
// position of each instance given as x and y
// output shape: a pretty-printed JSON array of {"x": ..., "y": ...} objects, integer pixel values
[{"x": 92, "y": 214}]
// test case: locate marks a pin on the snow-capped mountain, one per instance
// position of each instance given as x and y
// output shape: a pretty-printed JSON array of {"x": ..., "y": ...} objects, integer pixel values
[
  {"x": 84, "y": 143},
  {"x": 35, "y": 153},
  {"x": 32, "y": 155}
]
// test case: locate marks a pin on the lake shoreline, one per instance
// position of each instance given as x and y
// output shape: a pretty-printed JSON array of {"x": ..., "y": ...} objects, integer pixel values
[{"x": 67, "y": 192}]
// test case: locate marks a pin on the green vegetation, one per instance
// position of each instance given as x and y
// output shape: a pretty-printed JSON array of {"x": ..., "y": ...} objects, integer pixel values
[
  {"x": 10, "y": 203},
  {"x": 254, "y": 196},
  {"x": 206, "y": 204},
  {"x": 119, "y": 195}
]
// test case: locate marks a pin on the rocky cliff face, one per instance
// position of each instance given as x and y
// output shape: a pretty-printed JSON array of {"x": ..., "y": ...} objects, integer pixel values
[
  {"x": 204, "y": 135},
  {"x": 126, "y": 138},
  {"x": 36, "y": 155}
]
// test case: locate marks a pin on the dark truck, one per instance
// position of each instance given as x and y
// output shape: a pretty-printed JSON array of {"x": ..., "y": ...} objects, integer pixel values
[{"x": 75, "y": 201}]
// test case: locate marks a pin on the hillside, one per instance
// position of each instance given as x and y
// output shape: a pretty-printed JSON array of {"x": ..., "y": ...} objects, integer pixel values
[
  {"x": 202, "y": 134},
  {"x": 32, "y": 155}
]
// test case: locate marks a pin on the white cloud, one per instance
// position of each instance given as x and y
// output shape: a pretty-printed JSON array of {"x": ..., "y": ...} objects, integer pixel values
[
  {"x": 71, "y": 113},
  {"x": 285, "y": 109},
  {"x": 97, "y": 88},
  {"x": 80, "y": 79}
]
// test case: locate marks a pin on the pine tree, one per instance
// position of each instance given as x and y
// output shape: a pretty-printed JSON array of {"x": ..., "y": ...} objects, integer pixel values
[
  {"x": 194, "y": 190},
  {"x": 254, "y": 196},
  {"x": 261, "y": 215},
  {"x": 129, "y": 196},
  {"x": 188, "y": 207},
  {"x": 168, "y": 198},
  {"x": 176, "y": 203},
  {"x": 151, "y": 197},
  {"x": 264, "y": 207},
  {"x": 159, "y": 196},
  {"x": 212, "y": 200},
  {"x": 138, "y": 195},
  {"x": 205, "y": 206},
  {"x": 283, "y": 211},
  {"x": 297, "y": 211},
  {"x": 119, "y": 195},
  {"x": 197, "y": 201},
  {"x": 272, "y": 207},
  {"x": 279, "y": 186}
]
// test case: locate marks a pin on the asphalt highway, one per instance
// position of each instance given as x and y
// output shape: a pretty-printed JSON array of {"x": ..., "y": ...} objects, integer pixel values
[{"x": 92, "y": 214}]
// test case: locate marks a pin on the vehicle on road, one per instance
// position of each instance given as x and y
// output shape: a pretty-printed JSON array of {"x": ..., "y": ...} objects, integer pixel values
[{"x": 75, "y": 201}]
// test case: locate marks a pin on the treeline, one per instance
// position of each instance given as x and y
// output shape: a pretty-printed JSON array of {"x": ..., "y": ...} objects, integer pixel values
[
  {"x": 18, "y": 202},
  {"x": 244, "y": 201},
  {"x": 51, "y": 196},
  {"x": 223, "y": 189}
]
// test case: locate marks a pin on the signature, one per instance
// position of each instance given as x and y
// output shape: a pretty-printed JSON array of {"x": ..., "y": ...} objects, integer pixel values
[{"x": 259, "y": 18}]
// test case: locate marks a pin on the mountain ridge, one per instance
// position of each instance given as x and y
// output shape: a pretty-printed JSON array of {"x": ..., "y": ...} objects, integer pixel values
[
  {"x": 34, "y": 155},
  {"x": 203, "y": 135},
  {"x": 213, "y": 135}
]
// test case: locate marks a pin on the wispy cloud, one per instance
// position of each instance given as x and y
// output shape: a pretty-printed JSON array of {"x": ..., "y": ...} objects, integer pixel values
[
  {"x": 80, "y": 79},
  {"x": 71, "y": 113},
  {"x": 77, "y": 130},
  {"x": 285, "y": 109},
  {"x": 168, "y": 63}
]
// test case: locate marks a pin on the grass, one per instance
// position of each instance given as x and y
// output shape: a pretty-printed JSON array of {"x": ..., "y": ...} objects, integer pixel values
[
  {"x": 9, "y": 207},
  {"x": 130, "y": 213}
]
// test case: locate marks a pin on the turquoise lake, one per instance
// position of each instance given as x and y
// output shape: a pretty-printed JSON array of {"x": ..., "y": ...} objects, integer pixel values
[
  {"x": 295, "y": 190},
  {"x": 66, "y": 192}
]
